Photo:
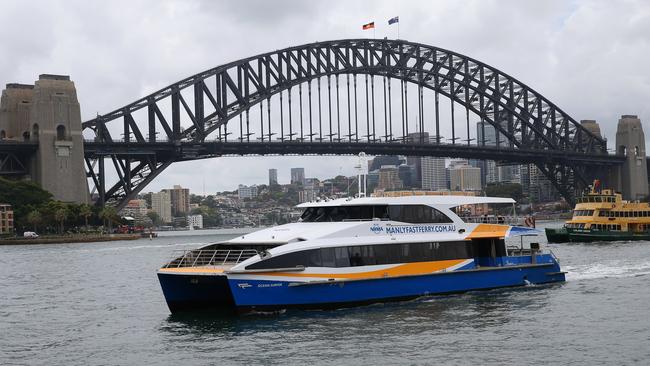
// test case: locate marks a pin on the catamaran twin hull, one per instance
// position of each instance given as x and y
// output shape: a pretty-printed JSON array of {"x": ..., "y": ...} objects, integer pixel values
[{"x": 266, "y": 292}]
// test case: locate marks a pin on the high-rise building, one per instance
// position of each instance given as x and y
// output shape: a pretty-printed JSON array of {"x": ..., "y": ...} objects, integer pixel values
[
  {"x": 536, "y": 186},
  {"x": 273, "y": 177},
  {"x": 407, "y": 175},
  {"x": 389, "y": 178},
  {"x": 433, "y": 173},
  {"x": 430, "y": 172},
  {"x": 381, "y": 160},
  {"x": 180, "y": 198},
  {"x": 464, "y": 178},
  {"x": 297, "y": 175},
  {"x": 487, "y": 135},
  {"x": 161, "y": 204},
  {"x": 416, "y": 161},
  {"x": 509, "y": 174}
]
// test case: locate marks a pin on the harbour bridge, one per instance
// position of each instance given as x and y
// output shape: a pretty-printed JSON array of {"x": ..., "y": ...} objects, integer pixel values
[{"x": 381, "y": 97}]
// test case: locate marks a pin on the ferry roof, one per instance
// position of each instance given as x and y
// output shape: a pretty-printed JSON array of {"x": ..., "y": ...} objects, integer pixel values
[{"x": 444, "y": 201}]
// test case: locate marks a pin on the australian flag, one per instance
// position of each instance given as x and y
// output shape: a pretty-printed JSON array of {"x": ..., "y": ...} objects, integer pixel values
[{"x": 393, "y": 20}]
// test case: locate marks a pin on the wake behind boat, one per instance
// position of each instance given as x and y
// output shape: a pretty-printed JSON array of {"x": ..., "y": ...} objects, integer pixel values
[{"x": 347, "y": 252}]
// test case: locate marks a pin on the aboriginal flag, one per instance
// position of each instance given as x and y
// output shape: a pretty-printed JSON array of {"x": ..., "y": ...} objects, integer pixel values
[{"x": 370, "y": 25}]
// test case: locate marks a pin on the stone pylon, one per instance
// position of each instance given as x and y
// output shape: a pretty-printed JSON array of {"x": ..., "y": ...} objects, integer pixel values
[
  {"x": 48, "y": 113},
  {"x": 630, "y": 142}
]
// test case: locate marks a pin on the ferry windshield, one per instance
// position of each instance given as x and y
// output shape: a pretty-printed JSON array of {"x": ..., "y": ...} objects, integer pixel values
[{"x": 403, "y": 213}]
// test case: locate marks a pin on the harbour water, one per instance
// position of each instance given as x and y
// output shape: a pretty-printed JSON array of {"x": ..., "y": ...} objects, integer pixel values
[{"x": 101, "y": 304}]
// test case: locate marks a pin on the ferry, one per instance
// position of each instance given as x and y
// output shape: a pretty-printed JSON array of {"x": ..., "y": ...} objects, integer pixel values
[
  {"x": 602, "y": 215},
  {"x": 354, "y": 251}
]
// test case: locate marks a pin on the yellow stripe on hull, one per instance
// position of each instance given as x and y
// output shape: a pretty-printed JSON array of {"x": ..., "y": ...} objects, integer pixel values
[
  {"x": 192, "y": 270},
  {"x": 400, "y": 270}
]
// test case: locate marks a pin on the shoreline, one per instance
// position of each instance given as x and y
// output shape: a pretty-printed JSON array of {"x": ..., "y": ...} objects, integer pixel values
[{"x": 70, "y": 239}]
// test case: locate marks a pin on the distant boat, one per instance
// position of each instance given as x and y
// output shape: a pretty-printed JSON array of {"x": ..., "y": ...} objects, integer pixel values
[{"x": 602, "y": 215}]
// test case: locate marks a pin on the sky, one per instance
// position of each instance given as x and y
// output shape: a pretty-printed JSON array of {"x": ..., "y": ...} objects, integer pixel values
[{"x": 588, "y": 57}]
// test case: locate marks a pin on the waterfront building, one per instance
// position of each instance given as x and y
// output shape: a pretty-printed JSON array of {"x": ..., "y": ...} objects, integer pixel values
[
  {"x": 297, "y": 175},
  {"x": 195, "y": 221},
  {"x": 464, "y": 177},
  {"x": 136, "y": 209},
  {"x": 180, "y": 200},
  {"x": 273, "y": 177},
  {"x": 247, "y": 191},
  {"x": 389, "y": 178},
  {"x": 161, "y": 204},
  {"x": 6, "y": 219}
]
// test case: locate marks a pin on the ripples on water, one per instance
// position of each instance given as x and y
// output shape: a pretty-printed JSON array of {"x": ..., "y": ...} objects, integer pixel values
[{"x": 101, "y": 304}]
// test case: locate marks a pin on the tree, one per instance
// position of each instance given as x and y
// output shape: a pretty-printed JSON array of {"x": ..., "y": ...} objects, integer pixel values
[
  {"x": 155, "y": 218},
  {"x": 34, "y": 218},
  {"x": 108, "y": 214},
  {"x": 511, "y": 190},
  {"x": 23, "y": 197},
  {"x": 60, "y": 215},
  {"x": 86, "y": 211}
]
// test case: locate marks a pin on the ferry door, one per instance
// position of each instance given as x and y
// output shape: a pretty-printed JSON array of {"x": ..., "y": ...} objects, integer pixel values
[{"x": 488, "y": 252}]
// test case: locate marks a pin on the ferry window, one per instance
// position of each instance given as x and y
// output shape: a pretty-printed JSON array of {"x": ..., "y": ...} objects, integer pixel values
[
  {"x": 361, "y": 255},
  {"x": 417, "y": 214},
  {"x": 328, "y": 257},
  {"x": 388, "y": 253},
  {"x": 306, "y": 258},
  {"x": 590, "y": 213},
  {"x": 342, "y": 257},
  {"x": 602, "y": 213},
  {"x": 359, "y": 213}
]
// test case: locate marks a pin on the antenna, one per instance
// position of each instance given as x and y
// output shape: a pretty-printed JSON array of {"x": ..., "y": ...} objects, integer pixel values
[{"x": 361, "y": 174}]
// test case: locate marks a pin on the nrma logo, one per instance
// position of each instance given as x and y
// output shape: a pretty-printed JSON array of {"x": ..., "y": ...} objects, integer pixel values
[{"x": 377, "y": 229}]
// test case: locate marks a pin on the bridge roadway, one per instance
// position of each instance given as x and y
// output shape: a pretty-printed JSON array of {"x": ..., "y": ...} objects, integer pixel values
[
  {"x": 184, "y": 151},
  {"x": 14, "y": 154}
]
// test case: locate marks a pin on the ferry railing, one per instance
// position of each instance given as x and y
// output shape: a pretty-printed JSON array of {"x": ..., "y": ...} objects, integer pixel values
[
  {"x": 491, "y": 219},
  {"x": 209, "y": 257}
]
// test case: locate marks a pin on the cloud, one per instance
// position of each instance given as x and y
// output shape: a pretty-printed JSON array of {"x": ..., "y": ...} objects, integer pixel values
[{"x": 588, "y": 57}]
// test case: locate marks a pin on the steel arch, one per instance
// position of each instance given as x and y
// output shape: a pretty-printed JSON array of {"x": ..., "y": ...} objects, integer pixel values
[{"x": 523, "y": 116}]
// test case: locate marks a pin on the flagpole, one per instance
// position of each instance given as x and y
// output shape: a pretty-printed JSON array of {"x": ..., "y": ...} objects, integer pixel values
[{"x": 398, "y": 29}]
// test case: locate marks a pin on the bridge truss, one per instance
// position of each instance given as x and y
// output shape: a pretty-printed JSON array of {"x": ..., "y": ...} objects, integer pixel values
[{"x": 342, "y": 97}]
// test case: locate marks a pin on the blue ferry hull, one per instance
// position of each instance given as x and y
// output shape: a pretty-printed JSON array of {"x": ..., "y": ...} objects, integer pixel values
[{"x": 265, "y": 295}]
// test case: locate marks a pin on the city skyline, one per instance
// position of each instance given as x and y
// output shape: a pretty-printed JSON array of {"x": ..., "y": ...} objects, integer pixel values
[{"x": 557, "y": 58}]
